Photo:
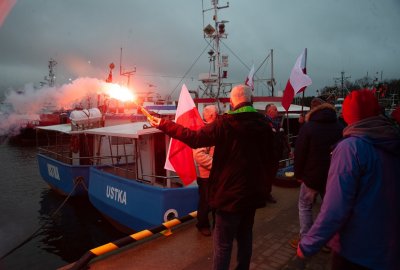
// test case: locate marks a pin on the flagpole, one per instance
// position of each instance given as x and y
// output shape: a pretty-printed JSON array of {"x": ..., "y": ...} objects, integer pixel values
[
  {"x": 305, "y": 67},
  {"x": 298, "y": 81},
  {"x": 287, "y": 123}
]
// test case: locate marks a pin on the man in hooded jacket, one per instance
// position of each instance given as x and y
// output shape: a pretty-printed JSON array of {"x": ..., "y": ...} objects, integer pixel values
[{"x": 312, "y": 156}]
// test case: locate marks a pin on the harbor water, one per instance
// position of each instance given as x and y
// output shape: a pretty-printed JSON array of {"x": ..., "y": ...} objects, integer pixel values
[{"x": 33, "y": 232}]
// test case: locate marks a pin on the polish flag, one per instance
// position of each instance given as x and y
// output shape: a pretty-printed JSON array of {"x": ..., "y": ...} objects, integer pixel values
[
  {"x": 180, "y": 156},
  {"x": 297, "y": 82},
  {"x": 5, "y": 8},
  {"x": 249, "y": 80}
]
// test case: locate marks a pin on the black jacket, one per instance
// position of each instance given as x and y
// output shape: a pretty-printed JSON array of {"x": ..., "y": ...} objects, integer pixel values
[
  {"x": 242, "y": 159},
  {"x": 314, "y": 144}
]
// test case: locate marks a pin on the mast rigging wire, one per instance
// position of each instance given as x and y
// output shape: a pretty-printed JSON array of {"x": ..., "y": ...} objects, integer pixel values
[
  {"x": 240, "y": 60},
  {"x": 190, "y": 68}
]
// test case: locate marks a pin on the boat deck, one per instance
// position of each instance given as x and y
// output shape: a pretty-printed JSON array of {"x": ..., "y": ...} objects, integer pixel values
[
  {"x": 128, "y": 171},
  {"x": 121, "y": 171}
]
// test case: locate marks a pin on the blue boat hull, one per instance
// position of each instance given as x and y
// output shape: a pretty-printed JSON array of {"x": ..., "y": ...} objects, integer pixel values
[
  {"x": 137, "y": 206},
  {"x": 63, "y": 177}
]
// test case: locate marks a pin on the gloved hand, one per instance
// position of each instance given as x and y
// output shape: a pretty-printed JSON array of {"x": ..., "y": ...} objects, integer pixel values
[{"x": 154, "y": 121}]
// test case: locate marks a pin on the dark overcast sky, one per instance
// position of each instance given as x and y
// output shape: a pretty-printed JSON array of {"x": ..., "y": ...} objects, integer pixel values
[{"x": 163, "y": 38}]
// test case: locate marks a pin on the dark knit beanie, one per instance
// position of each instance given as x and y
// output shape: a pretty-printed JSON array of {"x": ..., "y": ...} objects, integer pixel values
[{"x": 358, "y": 105}]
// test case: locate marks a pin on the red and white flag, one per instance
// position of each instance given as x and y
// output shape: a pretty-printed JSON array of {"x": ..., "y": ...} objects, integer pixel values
[
  {"x": 298, "y": 80},
  {"x": 180, "y": 156},
  {"x": 249, "y": 80},
  {"x": 5, "y": 8}
]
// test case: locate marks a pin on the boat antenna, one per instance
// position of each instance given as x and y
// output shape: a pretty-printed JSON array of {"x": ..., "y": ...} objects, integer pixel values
[
  {"x": 51, "y": 79},
  {"x": 128, "y": 74},
  {"x": 269, "y": 82},
  {"x": 110, "y": 77},
  {"x": 272, "y": 81},
  {"x": 342, "y": 80},
  {"x": 217, "y": 61}
]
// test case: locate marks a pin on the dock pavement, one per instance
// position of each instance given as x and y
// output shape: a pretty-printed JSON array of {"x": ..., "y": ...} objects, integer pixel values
[{"x": 274, "y": 227}]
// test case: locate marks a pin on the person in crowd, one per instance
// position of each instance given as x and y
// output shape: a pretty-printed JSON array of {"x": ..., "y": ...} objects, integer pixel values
[
  {"x": 360, "y": 213},
  {"x": 395, "y": 115},
  {"x": 204, "y": 157},
  {"x": 302, "y": 119},
  {"x": 314, "y": 143},
  {"x": 341, "y": 119},
  {"x": 242, "y": 164},
  {"x": 271, "y": 113}
]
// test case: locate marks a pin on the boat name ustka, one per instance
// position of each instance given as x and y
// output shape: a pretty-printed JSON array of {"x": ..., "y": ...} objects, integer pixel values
[
  {"x": 53, "y": 171},
  {"x": 116, "y": 194}
]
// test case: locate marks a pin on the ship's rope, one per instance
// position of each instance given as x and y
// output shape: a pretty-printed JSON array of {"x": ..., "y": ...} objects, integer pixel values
[
  {"x": 243, "y": 63},
  {"x": 78, "y": 181}
]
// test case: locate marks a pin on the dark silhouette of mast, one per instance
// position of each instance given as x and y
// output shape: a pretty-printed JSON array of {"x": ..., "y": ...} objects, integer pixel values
[
  {"x": 342, "y": 79},
  {"x": 122, "y": 72},
  {"x": 217, "y": 61},
  {"x": 50, "y": 80}
]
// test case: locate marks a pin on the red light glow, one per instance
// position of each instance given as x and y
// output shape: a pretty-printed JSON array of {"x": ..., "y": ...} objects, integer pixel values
[{"x": 119, "y": 92}]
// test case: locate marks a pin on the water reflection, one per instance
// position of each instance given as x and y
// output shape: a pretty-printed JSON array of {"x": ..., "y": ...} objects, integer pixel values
[
  {"x": 27, "y": 204},
  {"x": 74, "y": 229}
]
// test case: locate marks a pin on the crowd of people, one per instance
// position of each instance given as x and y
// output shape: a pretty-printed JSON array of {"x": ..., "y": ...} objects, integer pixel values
[
  {"x": 360, "y": 212},
  {"x": 354, "y": 169}
]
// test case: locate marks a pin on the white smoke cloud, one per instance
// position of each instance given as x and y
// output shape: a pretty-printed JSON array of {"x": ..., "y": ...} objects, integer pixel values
[{"x": 24, "y": 106}]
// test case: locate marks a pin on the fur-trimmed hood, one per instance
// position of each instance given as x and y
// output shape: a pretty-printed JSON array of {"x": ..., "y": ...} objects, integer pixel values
[
  {"x": 314, "y": 145},
  {"x": 323, "y": 112}
]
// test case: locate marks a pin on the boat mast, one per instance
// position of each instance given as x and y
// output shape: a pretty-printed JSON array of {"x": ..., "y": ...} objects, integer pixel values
[
  {"x": 217, "y": 61},
  {"x": 342, "y": 80},
  {"x": 269, "y": 83},
  {"x": 125, "y": 73},
  {"x": 272, "y": 81},
  {"x": 51, "y": 79}
]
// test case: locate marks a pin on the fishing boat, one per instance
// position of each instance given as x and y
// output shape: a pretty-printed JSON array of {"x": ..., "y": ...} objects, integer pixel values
[
  {"x": 64, "y": 152},
  {"x": 22, "y": 127},
  {"x": 133, "y": 190}
]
